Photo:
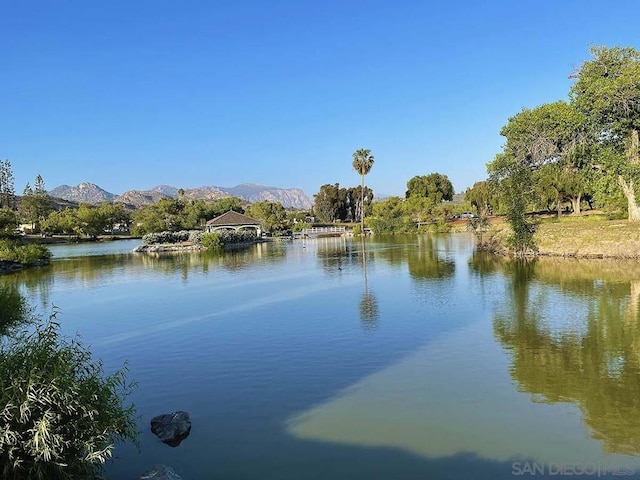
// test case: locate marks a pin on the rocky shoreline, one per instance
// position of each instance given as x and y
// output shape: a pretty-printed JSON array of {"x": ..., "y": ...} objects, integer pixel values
[
  {"x": 187, "y": 247},
  {"x": 168, "y": 247}
]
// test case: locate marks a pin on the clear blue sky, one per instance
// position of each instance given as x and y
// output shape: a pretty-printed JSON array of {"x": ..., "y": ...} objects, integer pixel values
[{"x": 131, "y": 94}]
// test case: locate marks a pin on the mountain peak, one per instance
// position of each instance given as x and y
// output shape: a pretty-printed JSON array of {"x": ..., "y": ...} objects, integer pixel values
[{"x": 83, "y": 192}]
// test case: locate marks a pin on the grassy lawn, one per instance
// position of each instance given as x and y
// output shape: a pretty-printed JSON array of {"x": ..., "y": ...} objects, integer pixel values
[{"x": 588, "y": 236}]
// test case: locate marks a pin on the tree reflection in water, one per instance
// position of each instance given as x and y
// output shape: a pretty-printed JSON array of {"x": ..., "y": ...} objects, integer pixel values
[
  {"x": 594, "y": 364},
  {"x": 14, "y": 310},
  {"x": 368, "y": 305}
]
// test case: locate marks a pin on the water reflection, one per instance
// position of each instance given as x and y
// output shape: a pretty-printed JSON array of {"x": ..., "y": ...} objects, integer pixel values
[
  {"x": 368, "y": 305},
  {"x": 94, "y": 271},
  {"x": 592, "y": 361},
  {"x": 427, "y": 256},
  {"x": 428, "y": 262},
  {"x": 14, "y": 310},
  {"x": 269, "y": 346},
  {"x": 336, "y": 254}
]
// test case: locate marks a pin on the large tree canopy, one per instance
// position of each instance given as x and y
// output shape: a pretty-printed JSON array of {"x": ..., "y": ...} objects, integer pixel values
[
  {"x": 548, "y": 133},
  {"x": 435, "y": 187},
  {"x": 333, "y": 202},
  {"x": 271, "y": 214},
  {"x": 549, "y": 140},
  {"x": 607, "y": 93}
]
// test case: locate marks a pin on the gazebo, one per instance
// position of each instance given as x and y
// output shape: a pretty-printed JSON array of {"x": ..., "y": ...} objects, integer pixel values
[{"x": 233, "y": 221}]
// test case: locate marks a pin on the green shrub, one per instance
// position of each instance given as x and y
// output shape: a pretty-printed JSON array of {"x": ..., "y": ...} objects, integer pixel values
[
  {"x": 33, "y": 253},
  {"x": 439, "y": 226},
  {"x": 211, "y": 241},
  {"x": 169, "y": 237},
  {"x": 60, "y": 416},
  {"x": 196, "y": 236},
  {"x": 29, "y": 254},
  {"x": 228, "y": 237}
]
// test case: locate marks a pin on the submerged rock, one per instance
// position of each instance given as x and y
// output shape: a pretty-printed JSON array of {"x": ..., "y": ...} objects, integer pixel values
[
  {"x": 160, "y": 472},
  {"x": 171, "y": 428}
]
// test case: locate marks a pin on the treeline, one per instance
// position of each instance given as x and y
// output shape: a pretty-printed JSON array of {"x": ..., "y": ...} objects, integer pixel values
[
  {"x": 177, "y": 214},
  {"x": 583, "y": 151},
  {"x": 425, "y": 206},
  {"x": 39, "y": 213},
  {"x": 168, "y": 214},
  {"x": 12, "y": 250}
]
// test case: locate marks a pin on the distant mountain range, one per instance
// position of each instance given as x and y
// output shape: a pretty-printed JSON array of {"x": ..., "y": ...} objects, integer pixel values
[{"x": 91, "y": 193}]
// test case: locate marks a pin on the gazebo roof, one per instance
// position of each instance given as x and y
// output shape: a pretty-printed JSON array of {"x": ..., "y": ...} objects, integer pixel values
[{"x": 232, "y": 218}]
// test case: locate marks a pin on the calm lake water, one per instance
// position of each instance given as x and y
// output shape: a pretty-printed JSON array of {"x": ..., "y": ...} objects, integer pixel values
[{"x": 409, "y": 358}]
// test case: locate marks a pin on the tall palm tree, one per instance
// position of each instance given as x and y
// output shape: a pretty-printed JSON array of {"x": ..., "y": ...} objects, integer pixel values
[{"x": 362, "y": 162}]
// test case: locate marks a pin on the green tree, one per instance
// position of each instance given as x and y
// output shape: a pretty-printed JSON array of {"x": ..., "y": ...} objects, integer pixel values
[
  {"x": 550, "y": 133},
  {"x": 149, "y": 219},
  {"x": 435, "y": 186},
  {"x": 515, "y": 180},
  {"x": 389, "y": 217},
  {"x": 327, "y": 203},
  {"x": 549, "y": 184},
  {"x": 92, "y": 221},
  {"x": 271, "y": 215},
  {"x": 8, "y": 222},
  {"x": 482, "y": 196},
  {"x": 420, "y": 209},
  {"x": 223, "y": 205},
  {"x": 62, "y": 222},
  {"x": 607, "y": 93},
  {"x": 36, "y": 204},
  {"x": 7, "y": 191},
  {"x": 115, "y": 215},
  {"x": 166, "y": 214},
  {"x": 362, "y": 163},
  {"x": 38, "y": 186},
  {"x": 350, "y": 202}
]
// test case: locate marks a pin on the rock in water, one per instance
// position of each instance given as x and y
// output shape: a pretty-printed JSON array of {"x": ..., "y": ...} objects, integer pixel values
[
  {"x": 160, "y": 472},
  {"x": 171, "y": 428}
]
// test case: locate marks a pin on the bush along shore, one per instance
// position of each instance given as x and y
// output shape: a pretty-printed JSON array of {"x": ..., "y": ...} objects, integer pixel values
[
  {"x": 15, "y": 256},
  {"x": 194, "y": 240},
  {"x": 62, "y": 415}
]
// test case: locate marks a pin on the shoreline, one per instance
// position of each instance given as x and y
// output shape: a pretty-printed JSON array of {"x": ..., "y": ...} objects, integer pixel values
[
  {"x": 7, "y": 266},
  {"x": 70, "y": 240},
  {"x": 188, "y": 247},
  {"x": 580, "y": 237}
]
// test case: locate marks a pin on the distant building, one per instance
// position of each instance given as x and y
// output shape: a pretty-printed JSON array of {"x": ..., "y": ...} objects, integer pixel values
[{"x": 26, "y": 228}]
